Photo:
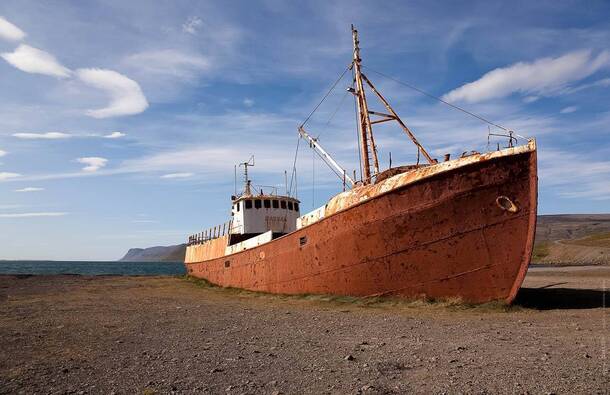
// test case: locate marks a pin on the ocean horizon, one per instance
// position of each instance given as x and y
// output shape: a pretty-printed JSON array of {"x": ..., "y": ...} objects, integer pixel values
[{"x": 91, "y": 268}]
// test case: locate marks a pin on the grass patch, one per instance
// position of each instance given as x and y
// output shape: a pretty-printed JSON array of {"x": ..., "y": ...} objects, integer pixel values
[
  {"x": 541, "y": 250},
  {"x": 374, "y": 302},
  {"x": 595, "y": 240}
]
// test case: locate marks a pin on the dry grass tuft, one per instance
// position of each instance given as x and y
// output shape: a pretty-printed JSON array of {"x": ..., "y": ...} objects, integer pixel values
[{"x": 377, "y": 302}]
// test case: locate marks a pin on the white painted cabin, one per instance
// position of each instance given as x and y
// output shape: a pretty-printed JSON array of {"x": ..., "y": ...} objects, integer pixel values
[{"x": 252, "y": 215}]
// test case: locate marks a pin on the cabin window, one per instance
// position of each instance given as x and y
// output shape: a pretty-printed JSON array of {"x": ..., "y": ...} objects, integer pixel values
[
  {"x": 283, "y": 204},
  {"x": 248, "y": 203},
  {"x": 257, "y": 203},
  {"x": 267, "y": 203},
  {"x": 289, "y": 205},
  {"x": 237, "y": 206},
  {"x": 296, "y": 207},
  {"x": 275, "y": 203}
]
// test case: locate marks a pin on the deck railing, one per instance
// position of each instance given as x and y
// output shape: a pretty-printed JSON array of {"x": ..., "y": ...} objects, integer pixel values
[{"x": 211, "y": 233}]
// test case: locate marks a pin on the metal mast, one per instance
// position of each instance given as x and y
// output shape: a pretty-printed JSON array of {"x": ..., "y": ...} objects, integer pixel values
[
  {"x": 247, "y": 189},
  {"x": 367, "y": 142}
]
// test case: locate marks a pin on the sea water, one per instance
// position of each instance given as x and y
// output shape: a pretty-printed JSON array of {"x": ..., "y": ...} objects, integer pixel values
[{"x": 92, "y": 268}]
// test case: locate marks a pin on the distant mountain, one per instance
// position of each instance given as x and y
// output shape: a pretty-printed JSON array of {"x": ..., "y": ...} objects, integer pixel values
[
  {"x": 573, "y": 239},
  {"x": 156, "y": 254}
]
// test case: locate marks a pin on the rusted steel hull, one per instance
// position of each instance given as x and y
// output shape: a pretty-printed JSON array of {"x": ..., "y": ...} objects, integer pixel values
[{"x": 439, "y": 237}]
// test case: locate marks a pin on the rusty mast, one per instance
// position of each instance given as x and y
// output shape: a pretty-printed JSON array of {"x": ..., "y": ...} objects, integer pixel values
[{"x": 369, "y": 161}]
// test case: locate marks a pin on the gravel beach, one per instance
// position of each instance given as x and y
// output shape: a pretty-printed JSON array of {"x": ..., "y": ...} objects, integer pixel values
[{"x": 146, "y": 335}]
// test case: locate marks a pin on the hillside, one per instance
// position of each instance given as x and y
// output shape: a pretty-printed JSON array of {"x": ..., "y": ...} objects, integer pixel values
[
  {"x": 573, "y": 239},
  {"x": 156, "y": 254}
]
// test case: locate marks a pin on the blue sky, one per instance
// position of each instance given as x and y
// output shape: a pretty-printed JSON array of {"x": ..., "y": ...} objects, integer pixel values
[{"x": 120, "y": 122}]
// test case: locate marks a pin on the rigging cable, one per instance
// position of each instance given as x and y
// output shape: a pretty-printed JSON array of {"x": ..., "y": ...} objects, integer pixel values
[
  {"x": 326, "y": 95},
  {"x": 296, "y": 153},
  {"x": 333, "y": 114},
  {"x": 293, "y": 174},
  {"x": 437, "y": 98}
]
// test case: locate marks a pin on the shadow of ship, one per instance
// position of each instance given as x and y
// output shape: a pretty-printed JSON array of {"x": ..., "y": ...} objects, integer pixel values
[{"x": 562, "y": 298}]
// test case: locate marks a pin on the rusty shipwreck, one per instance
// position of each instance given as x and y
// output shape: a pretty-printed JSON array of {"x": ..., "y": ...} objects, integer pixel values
[{"x": 460, "y": 228}]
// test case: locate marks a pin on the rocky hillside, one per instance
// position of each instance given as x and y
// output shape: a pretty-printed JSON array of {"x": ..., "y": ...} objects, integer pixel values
[{"x": 156, "y": 254}]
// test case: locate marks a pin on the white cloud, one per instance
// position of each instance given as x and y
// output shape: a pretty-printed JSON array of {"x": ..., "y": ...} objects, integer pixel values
[
  {"x": 603, "y": 83},
  {"x": 114, "y": 135},
  {"x": 29, "y": 189},
  {"x": 94, "y": 163},
  {"x": 10, "y": 32},
  {"x": 32, "y": 60},
  {"x": 126, "y": 95},
  {"x": 42, "y": 136},
  {"x": 2, "y": 153},
  {"x": 168, "y": 62},
  {"x": 530, "y": 99},
  {"x": 192, "y": 24},
  {"x": 177, "y": 175},
  {"x": 568, "y": 110},
  {"x": 31, "y": 215},
  {"x": 6, "y": 175},
  {"x": 10, "y": 206},
  {"x": 543, "y": 76},
  {"x": 248, "y": 102},
  {"x": 574, "y": 177}
]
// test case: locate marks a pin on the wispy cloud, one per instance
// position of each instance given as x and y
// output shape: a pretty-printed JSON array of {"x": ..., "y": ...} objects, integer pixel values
[
  {"x": 66, "y": 135},
  {"x": 170, "y": 62},
  {"x": 574, "y": 177},
  {"x": 32, "y": 215},
  {"x": 114, "y": 135},
  {"x": 177, "y": 175},
  {"x": 145, "y": 221},
  {"x": 94, "y": 163},
  {"x": 530, "y": 99},
  {"x": 192, "y": 24},
  {"x": 126, "y": 95},
  {"x": 248, "y": 102},
  {"x": 10, "y": 206},
  {"x": 10, "y": 32},
  {"x": 568, "y": 110},
  {"x": 42, "y": 136},
  {"x": 2, "y": 153},
  {"x": 543, "y": 76},
  {"x": 603, "y": 83},
  {"x": 36, "y": 61},
  {"x": 29, "y": 189},
  {"x": 7, "y": 175}
]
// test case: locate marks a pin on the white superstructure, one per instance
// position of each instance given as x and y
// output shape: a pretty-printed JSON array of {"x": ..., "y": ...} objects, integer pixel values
[{"x": 255, "y": 214}]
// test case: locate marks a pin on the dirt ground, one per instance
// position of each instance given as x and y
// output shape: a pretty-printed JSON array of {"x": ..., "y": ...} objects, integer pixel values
[{"x": 90, "y": 335}]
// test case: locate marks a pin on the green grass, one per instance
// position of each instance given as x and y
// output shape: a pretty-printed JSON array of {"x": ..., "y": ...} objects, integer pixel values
[
  {"x": 595, "y": 240},
  {"x": 376, "y": 302},
  {"x": 541, "y": 250}
]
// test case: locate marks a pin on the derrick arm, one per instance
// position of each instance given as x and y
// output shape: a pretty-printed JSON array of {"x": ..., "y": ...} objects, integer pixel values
[{"x": 313, "y": 143}]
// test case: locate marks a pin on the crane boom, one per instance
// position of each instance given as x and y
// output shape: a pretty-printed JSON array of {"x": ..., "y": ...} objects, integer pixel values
[{"x": 326, "y": 157}]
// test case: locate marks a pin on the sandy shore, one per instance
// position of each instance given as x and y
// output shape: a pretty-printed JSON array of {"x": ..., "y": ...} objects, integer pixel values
[{"x": 75, "y": 334}]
